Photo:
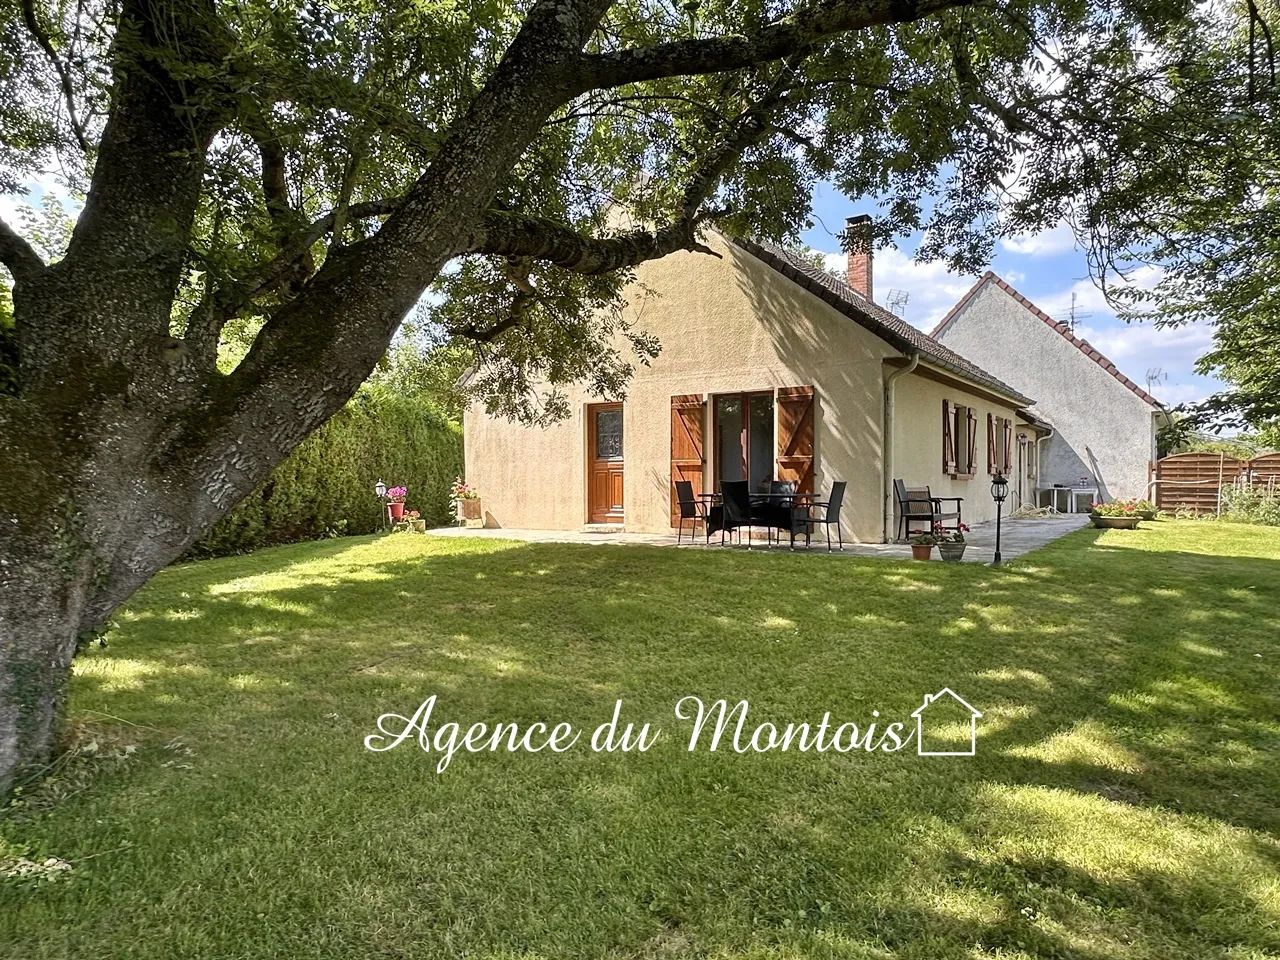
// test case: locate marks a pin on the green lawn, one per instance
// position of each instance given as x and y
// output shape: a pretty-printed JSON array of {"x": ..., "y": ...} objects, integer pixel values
[{"x": 1124, "y": 801}]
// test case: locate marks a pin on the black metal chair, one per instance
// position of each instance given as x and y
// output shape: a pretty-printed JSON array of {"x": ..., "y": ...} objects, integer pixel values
[
  {"x": 691, "y": 508},
  {"x": 830, "y": 515},
  {"x": 735, "y": 496},
  {"x": 920, "y": 506},
  {"x": 776, "y": 514}
]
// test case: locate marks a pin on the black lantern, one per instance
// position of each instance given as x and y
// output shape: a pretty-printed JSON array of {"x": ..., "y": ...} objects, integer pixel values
[
  {"x": 999, "y": 490},
  {"x": 380, "y": 491}
]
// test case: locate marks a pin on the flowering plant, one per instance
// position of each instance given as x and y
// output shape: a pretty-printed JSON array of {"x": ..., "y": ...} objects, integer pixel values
[
  {"x": 1144, "y": 506},
  {"x": 942, "y": 535},
  {"x": 1117, "y": 508},
  {"x": 924, "y": 539},
  {"x": 460, "y": 491},
  {"x": 397, "y": 494},
  {"x": 412, "y": 515}
]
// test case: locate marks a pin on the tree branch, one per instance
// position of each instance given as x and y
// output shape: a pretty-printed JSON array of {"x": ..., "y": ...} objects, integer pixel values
[
  {"x": 210, "y": 315},
  {"x": 783, "y": 37},
  {"x": 42, "y": 38},
  {"x": 515, "y": 235},
  {"x": 19, "y": 256}
]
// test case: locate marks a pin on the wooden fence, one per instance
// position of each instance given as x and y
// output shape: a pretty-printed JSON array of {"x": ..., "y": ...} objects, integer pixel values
[{"x": 1194, "y": 481}]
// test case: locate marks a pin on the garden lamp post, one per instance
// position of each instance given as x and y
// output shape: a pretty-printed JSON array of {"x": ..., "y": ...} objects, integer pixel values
[
  {"x": 999, "y": 490},
  {"x": 380, "y": 491}
]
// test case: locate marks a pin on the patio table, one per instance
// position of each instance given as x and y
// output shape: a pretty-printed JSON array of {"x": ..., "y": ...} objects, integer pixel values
[{"x": 715, "y": 511}]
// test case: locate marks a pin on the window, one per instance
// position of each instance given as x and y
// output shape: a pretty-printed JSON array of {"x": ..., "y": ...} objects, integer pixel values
[
  {"x": 609, "y": 434},
  {"x": 999, "y": 445},
  {"x": 959, "y": 440}
]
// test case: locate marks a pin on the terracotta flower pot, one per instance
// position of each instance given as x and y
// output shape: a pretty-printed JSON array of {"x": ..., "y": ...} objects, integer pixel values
[
  {"x": 951, "y": 552},
  {"x": 397, "y": 511},
  {"x": 1115, "y": 523},
  {"x": 921, "y": 551},
  {"x": 471, "y": 509}
]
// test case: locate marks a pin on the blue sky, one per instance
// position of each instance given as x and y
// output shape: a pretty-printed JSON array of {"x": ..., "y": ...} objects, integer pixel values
[{"x": 1045, "y": 268}]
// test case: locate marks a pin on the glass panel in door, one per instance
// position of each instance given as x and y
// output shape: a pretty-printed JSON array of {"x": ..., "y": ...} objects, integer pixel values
[
  {"x": 760, "y": 441},
  {"x": 729, "y": 438}
]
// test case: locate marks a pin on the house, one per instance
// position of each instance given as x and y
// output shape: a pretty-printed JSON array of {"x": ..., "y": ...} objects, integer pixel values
[
  {"x": 770, "y": 369},
  {"x": 945, "y": 708},
  {"x": 1103, "y": 424}
]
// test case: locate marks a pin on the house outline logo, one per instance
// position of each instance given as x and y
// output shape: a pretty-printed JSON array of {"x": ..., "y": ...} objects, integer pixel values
[{"x": 929, "y": 700}]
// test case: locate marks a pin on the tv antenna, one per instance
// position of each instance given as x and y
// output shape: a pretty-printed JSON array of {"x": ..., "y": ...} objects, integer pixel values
[
  {"x": 1155, "y": 375},
  {"x": 1073, "y": 315},
  {"x": 896, "y": 302}
]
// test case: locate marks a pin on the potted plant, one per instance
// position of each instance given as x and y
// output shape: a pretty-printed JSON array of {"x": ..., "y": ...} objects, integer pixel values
[
  {"x": 416, "y": 523},
  {"x": 1145, "y": 509},
  {"x": 466, "y": 501},
  {"x": 395, "y": 502},
  {"x": 922, "y": 545},
  {"x": 951, "y": 543},
  {"x": 1118, "y": 515}
]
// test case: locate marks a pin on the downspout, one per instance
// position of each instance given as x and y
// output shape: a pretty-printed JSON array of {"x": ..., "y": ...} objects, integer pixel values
[
  {"x": 1039, "y": 475},
  {"x": 887, "y": 458}
]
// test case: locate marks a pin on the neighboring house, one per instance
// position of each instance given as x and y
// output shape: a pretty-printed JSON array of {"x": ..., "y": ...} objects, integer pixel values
[
  {"x": 1104, "y": 425},
  {"x": 770, "y": 369}
]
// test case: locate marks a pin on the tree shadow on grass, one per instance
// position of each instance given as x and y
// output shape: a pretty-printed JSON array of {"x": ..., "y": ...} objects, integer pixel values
[{"x": 1120, "y": 691}]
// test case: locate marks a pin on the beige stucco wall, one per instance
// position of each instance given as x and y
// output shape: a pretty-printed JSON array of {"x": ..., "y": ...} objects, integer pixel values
[
  {"x": 726, "y": 325},
  {"x": 917, "y": 449}
]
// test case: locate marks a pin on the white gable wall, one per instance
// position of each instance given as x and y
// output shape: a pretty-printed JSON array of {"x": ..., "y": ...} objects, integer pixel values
[{"x": 1101, "y": 428}]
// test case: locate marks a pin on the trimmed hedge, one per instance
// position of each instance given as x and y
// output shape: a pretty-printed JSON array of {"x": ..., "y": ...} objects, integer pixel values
[{"x": 325, "y": 487}]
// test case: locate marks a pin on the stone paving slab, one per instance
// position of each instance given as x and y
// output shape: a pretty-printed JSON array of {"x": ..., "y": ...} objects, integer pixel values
[{"x": 1016, "y": 538}]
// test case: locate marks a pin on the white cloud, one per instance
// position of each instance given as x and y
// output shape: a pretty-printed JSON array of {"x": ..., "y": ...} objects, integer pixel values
[
  {"x": 1173, "y": 394},
  {"x": 1143, "y": 342},
  {"x": 1046, "y": 243}
]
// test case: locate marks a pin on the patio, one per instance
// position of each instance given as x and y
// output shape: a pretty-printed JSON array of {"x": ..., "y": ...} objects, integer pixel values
[{"x": 1016, "y": 538}]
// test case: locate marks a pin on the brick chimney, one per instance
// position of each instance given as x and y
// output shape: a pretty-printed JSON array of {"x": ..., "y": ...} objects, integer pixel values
[{"x": 858, "y": 236}]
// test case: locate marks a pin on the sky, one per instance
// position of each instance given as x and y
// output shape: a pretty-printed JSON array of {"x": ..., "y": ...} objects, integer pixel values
[{"x": 1046, "y": 268}]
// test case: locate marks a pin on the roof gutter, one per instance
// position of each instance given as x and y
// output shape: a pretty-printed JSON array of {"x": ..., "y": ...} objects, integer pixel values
[{"x": 887, "y": 439}]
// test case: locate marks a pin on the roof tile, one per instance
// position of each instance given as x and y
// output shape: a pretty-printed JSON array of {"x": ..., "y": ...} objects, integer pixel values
[{"x": 870, "y": 315}]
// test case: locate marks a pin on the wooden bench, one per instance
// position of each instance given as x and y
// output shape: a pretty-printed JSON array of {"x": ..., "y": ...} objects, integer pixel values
[{"x": 918, "y": 505}]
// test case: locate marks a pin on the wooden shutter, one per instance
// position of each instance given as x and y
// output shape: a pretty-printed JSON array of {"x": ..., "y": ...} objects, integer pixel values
[
  {"x": 1008, "y": 447},
  {"x": 688, "y": 414},
  {"x": 948, "y": 441},
  {"x": 991, "y": 444},
  {"x": 795, "y": 436},
  {"x": 972, "y": 466}
]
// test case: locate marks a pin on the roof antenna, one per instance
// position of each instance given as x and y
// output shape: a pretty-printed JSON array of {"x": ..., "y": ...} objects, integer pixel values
[
  {"x": 896, "y": 302},
  {"x": 1073, "y": 315}
]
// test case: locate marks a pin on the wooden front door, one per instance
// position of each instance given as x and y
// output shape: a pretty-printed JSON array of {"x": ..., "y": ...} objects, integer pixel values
[{"x": 604, "y": 463}]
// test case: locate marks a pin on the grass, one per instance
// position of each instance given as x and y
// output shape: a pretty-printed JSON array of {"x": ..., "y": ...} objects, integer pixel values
[{"x": 1124, "y": 801}]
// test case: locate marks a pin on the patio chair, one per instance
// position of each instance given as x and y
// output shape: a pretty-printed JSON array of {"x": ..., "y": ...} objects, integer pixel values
[
  {"x": 918, "y": 505},
  {"x": 691, "y": 508},
  {"x": 830, "y": 515},
  {"x": 735, "y": 496},
  {"x": 776, "y": 513}
]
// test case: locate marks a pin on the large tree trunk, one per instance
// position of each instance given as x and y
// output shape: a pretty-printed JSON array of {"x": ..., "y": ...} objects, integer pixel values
[
  {"x": 124, "y": 444},
  {"x": 39, "y": 623}
]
